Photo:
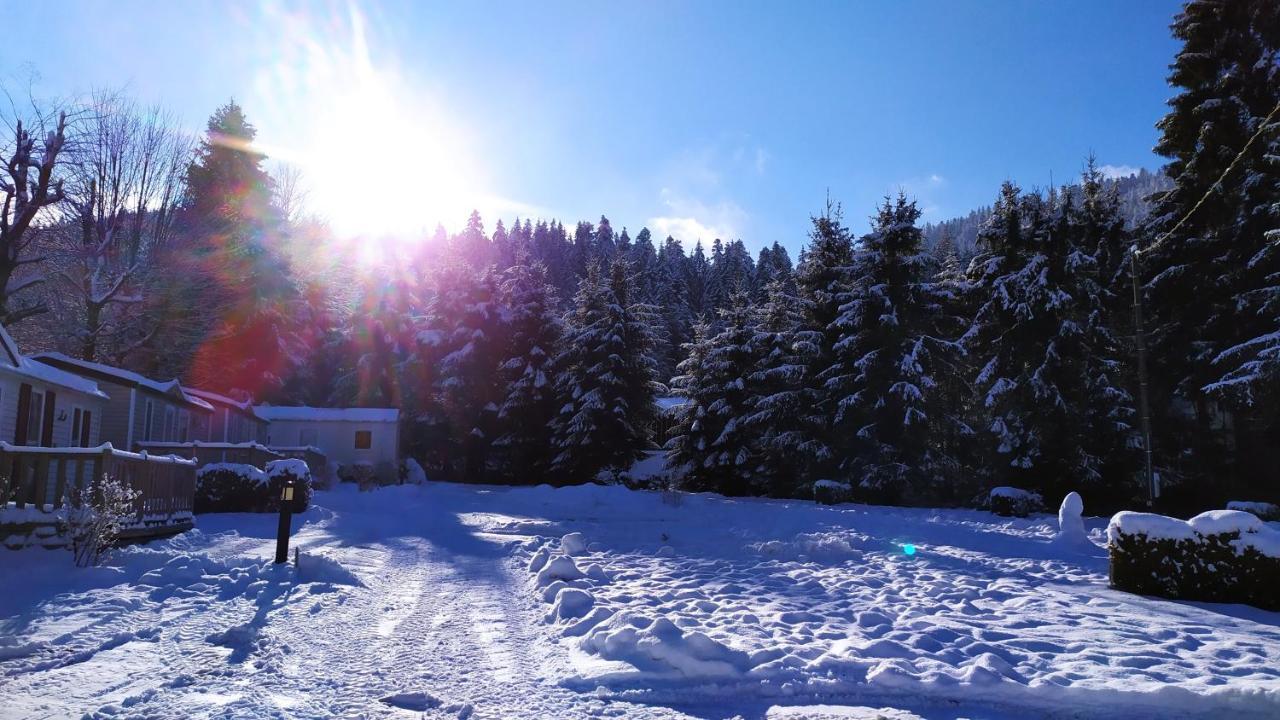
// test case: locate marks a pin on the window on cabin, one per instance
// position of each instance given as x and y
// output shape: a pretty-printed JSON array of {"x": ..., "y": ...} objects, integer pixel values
[
  {"x": 364, "y": 439},
  {"x": 184, "y": 425},
  {"x": 170, "y": 418},
  {"x": 35, "y": 418},
  {"x": 75, "y": 428},
  {"x": 310, "y": 437}
]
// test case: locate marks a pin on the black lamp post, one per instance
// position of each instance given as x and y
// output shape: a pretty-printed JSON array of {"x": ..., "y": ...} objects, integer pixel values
[{"x": 286, "y": 516}]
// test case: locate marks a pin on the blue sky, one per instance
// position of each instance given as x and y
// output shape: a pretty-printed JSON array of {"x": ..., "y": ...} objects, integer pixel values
[{"x": 698, "y": 118}]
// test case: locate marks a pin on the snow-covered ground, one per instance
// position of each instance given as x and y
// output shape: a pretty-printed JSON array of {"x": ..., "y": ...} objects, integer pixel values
[{"x": 456, "y": 601}]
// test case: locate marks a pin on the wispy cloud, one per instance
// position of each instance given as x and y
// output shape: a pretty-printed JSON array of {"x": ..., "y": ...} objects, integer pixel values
[
  {"x": 925, "y": 190},
  {"x": 689, "y": 219},
  {"x": 1113, "y": 172}
]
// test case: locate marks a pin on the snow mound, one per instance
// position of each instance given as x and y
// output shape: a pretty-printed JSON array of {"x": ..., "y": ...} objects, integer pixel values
[
  {"x": 1218, "y": 522},
  {"x": 315, "y": 568},
  {"x": 414, "y": 474},
  {"x": 570, "y": 604},
  {"x": 1264, "y": 510},
  {"x": 415, "y": 701},
  {"x": 659, "y": 646},
  {"x": 561, "y": 567},
  {"x": 1071, "y": 521},
  {"x": 575, "y": 543}
]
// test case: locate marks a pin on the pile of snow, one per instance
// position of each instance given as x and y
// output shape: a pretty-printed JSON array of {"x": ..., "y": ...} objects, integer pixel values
[
  {"x": 573, "y": 544},
  {"x": 661, "y": 648},
  {"x": 1071, "y": 521},
  {"x": 414, "y": 474},
  {"x": 320, "y": 568},
  {"x": 249, "y": 472}
]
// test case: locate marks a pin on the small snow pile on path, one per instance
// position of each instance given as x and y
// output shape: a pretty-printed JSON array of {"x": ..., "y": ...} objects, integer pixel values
[
  {"x": 660, "y": 647},
  {"x": 415, "y": 701},
  {"x": 575, "y": 543},
  {"x": 318, "y": 568}
]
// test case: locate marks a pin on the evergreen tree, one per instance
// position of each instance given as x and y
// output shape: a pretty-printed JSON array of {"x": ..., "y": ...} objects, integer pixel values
[
  {"x": 712, "y": 444},
  {"x": 1211, "y": 268},
  {"x": 776, "y": 395},
  {"x": 528, "y": 375},
  {"x": 822, "y": 276},
  {"x": 1058, "y": 411},
  {"x": 606, "y": 382},
  {"x": 460, "y": 346},
  {"x": 889, "y": 354}
]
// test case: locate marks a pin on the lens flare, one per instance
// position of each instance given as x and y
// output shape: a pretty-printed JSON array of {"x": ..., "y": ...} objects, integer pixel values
[{"x": 909, "y": 549}]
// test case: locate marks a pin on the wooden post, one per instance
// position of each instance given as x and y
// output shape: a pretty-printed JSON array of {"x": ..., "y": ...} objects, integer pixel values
[{"x": 60, "y": 483}]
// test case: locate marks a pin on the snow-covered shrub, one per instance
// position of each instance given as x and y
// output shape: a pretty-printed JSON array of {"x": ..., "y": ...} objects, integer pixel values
[
  {"x": 292, "y": 470},
  {"x": 830, "y": 492},
  {"x": 1217, "y": 556},
  {"x": 359, "y": 473},
  {"x": 231, "y": 487},
  {"x": 1269, "y": 512},
  {"x": 94, "y": 517},
  {"x": 1014, "y": 502}
]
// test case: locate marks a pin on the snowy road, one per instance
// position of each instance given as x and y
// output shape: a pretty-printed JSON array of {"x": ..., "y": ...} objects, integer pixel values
[
  {"x": 426, "y": 602},
  {"x": 442, "y": 625}
]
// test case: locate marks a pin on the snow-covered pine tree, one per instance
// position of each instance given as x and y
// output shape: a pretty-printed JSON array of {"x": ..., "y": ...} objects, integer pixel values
[
  {"x": 676, "y": 319},
  {"x": 712, "y": 445},
  {"x": 776, "y": 396},
  {"x": 460, "y": 347},
  {"x": 890, "y": 351},
  {"x": 530, "y": 403},
  {"x": 1049, "y": 376},
  {"x": 1212, "y": 268},
  {"x": 606, "y": 383},
  {"x": 821, "y": 277}
]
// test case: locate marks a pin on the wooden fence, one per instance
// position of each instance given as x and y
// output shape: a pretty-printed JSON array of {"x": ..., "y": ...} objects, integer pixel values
[
  {"x": 42, "y": 477},
  {"x": 204, "y": 453},
  {"x": 317, "y": 462}
]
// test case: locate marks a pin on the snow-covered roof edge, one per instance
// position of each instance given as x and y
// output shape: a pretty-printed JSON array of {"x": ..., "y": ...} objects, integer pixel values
[
  {"x": 127, "y": 377},
  {"x": 319, "y": 414},
  {"x": 24, "y": 365},
  {"x": 245, "y": 407}
]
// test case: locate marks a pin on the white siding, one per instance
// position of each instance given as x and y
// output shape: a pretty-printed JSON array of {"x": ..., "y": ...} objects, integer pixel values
[{"x": 337, "y": 439}]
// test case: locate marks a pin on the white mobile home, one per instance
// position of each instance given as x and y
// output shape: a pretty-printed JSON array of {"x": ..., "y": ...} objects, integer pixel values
[
  {"x": 347, "y": 436},
  {"x": 44, "y": 406},
  {"x": 140, "y": 409}
]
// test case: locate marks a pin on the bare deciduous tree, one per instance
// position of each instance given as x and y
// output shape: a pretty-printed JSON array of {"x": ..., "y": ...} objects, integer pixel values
[
  {"x": 31, "y": 149},
  {"x": 125, "y": 173}
]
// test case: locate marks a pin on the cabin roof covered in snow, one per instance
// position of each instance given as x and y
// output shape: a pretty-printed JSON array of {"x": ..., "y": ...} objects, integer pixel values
[
  {"x": 322, "y": 414},
  {"x": 23, "y": 365},
  {"x": 245, "y": 407},
  {"x": 171, "y": 388}
]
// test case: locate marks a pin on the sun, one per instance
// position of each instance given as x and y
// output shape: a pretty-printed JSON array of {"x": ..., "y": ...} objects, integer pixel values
[{"x": 381, "y": 160}]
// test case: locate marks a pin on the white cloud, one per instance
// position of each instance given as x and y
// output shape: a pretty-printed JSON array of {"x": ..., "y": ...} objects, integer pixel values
[
  {"x": 689, "y": 219},
  {"x": 1112, "y": 172}
]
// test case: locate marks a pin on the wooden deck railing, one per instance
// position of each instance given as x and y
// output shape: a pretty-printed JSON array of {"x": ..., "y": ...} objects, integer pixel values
[
  {"x": 42, "y": 477},
  {"x": 204, "y": 453}
]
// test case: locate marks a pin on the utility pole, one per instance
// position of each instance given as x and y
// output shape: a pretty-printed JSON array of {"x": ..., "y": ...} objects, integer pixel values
[{"x": 1144, "y": 402}]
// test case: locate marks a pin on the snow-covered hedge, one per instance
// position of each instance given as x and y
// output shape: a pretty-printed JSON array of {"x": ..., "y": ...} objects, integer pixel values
[
  {"x": 1264, "y": 510},
  {"x": 1014, "y": 502},
  {"x": 830, "y": 492},
  {"x": 1217, "y": 556},
  {"x": 292, "y": 470}
]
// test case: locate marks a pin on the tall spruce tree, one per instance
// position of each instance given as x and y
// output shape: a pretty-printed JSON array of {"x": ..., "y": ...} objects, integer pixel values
[
  {"x": 821, "y": 277},
  {"x": 530, "y": 402},
  {"x": 606, "y": 381},
  {"x": 890, "y": 351},
  {"x": 776, "y": 396},
  {"x": 1212, "y": 268},
  {"x": 712, "y": 443}
]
